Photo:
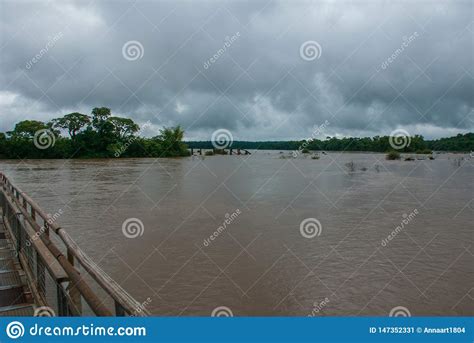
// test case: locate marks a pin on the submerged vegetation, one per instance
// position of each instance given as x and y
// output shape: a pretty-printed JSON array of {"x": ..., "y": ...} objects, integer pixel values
[
  {"x": 99, "y": 135},
  {"x": 393, "y": 155}
]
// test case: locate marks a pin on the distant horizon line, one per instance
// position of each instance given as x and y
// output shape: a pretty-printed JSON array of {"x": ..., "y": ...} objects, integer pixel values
[{"x": 324, "y": 139}]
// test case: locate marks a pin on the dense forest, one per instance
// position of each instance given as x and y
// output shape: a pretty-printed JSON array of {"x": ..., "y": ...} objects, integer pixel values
[
  {"x": 101, "y": 135},
  {"x": 460, "y": 143}
]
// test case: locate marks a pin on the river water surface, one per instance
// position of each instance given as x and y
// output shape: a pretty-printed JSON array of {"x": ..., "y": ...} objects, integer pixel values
[{"x": 261, "y": 263}]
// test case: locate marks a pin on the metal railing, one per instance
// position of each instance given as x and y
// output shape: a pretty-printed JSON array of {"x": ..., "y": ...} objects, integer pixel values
[{"x": 55, "y": 277}]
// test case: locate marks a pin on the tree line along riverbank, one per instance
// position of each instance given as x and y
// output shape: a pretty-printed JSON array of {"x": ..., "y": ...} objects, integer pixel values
[{"x": 102, "y": 135}]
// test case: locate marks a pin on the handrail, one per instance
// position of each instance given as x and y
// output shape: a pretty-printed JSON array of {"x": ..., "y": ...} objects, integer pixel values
[{"x": 124, "y": 302}]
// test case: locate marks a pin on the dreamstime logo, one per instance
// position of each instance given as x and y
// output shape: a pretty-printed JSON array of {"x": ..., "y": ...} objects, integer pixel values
[
  {"x": 310, "y": 227},
  {"x": 399, "y": 139},
  {"x": 310, "y": 50},
  {"x": 318, "y": 307},
  {"x": 52, "y": 218},
  {"x": 407, "y": 218},
  {"x": 316, "y": 131},
  {"x": 49, "y": 45},
  {"x": 222, "y": 139},
  {"x": 133, "y": 227},
  {"x": 407, "y": 40},
  {"x": 141, "y": 307},
  {"x": 132, "y": 50},
  {"x": 130, "y": 140},
  {"x": 15, "y": 330},
  {"x": 222, "y": 311},
  {"x": 44, "y": 139},
  {"x": 400, "y": 311},
  {"x": 44, "y": 311},
  {"x": 227, "y": 44},
  {"x": 229, "y": 219}
]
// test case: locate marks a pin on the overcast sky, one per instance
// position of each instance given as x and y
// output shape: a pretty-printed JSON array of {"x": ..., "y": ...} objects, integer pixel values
[{"x": 376, "y": 66}]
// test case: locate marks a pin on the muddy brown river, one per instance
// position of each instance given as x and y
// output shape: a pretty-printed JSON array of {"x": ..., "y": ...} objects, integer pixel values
[{"x": 270, "y": 235}]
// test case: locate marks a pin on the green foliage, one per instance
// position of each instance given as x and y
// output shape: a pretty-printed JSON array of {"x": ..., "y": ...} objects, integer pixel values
[
  {"x": 460, "y": 142},
  {"x": 171, "y": 142},
  {"x": 99, "y": 117},
  {"x": 123, "y": 127},
  {"x": 393, "y": 155},
  {"x": 27, "y": 129},
  {"x": 72, "y": 122},
  {"x": 102, "y": 137},
  {"x": 457, "y": 143},
  {"x": 220, "y": 152}
]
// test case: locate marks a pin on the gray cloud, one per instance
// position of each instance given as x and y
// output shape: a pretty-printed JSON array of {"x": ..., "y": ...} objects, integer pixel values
[{"x": 259, "y": 87}]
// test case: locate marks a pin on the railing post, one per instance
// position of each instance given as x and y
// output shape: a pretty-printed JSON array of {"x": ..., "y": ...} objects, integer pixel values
[
  {"x": 46, "y": 227},
  {"x": 62, "y": 301},
  {"x": 40, "y": 275},
  {"x": 18, "y": 233},
  {"x": 74, "y": 293},
  {"x": 119, "y": 310}
]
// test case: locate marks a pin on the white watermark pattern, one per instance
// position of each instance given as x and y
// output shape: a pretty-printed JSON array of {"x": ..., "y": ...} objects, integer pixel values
[
  {"x": 44, "y": 311},
  {"x": 133, "y": 228},
  {"x": 50, "y": 44},
  {"x": 222, "y": 139},
  {"x": 130, "y": 140},
  {"x": 310, "y": 50},
  {"x": 407, "y": 218},
  {"x": 316, "y": 131},
  {"x": 222, "y": 311},
  {"x": 318, "y": 307},
  {"x": 52, "y": 218},
  {"x": 310, "y": 228},
  {"x": 141, "y": 307},
  {"x": 133, "y": 50},
  {"x": 229, "y": 219},
  {"x": 399, "y": 311},
  {"x": 407, "y": 40},
  {"x": 399, "y": 139},
  {"x": 44, "y": 139},
  {"x": 228, "y": 41},
  {"x": 15, "y": 330}
]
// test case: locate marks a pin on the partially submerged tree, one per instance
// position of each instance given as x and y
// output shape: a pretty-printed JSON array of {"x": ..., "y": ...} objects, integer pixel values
[
  {"x": 393, "y": 155},
  {"x": 171, "y": 141}
]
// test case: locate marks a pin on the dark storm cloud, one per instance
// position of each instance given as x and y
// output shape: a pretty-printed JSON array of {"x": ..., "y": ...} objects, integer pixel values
[{"x": 237, "y": 65}]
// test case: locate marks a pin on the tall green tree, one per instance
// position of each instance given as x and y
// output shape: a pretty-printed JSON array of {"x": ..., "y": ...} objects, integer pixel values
[
  {"x": 99, "y": 117},
  {"x": 27, "y": 129},
  {"x": 123, "y": 127},
  {"x": 171, "y": 142},
  {"x": 72, "y": 122}
]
